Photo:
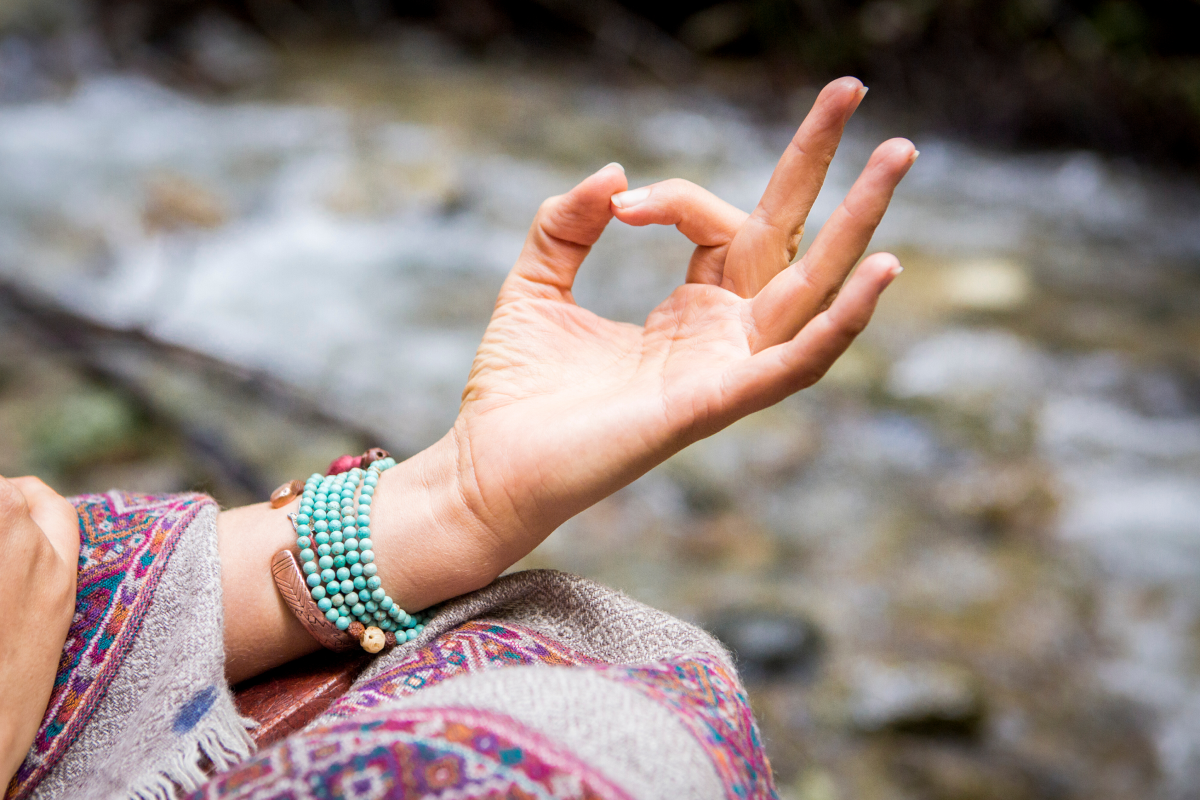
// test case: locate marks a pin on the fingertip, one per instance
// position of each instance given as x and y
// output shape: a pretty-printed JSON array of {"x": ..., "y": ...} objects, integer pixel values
[{"x": 624, "y": 201}]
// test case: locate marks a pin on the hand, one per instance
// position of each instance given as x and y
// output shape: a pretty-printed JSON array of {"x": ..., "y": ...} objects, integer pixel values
[
  {"x": 39, "y": 536},
  {"x": 563, "y": 407}
]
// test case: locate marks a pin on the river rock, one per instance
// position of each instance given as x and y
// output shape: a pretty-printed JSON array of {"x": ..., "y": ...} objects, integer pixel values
[
  {"x": 770, "y": 645},
  {"x": 917, "y": 697}
]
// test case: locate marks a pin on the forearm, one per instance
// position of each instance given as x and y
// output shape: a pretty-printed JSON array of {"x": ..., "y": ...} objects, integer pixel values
[{"x": 429, "y": 547}]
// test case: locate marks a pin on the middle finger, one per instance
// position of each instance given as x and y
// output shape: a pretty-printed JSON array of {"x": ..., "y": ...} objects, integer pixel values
[{"x": 772, "y": 235}]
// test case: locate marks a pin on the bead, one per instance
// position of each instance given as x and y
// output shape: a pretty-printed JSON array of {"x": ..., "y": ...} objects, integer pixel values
[
  {"x": 309, "y": 570},
  {"x": 336, "y": 536},
  {"x": 375, "y": 454},
  {"x": 411, "y": 634},
  {"x": 320, "y": 514},
  {"x": 307, "y": 555},
  {"x": 389, "y": 638},
  {"x": 379, "y": 616},
  {"x": 321, "y": 526},
  {"x": 351, "y": 543},
  {"x": 347, "y": 586},
  {"x": 318, "y": 592},
  {"x": 331, "y": 615},
  {"x": 324, "y": 562},
  {"x": 340, "y": 561},
  {"x": 303, "y": 529},
  {"x": 351, "y": 597},
  {"x": 337, "y": 548},
  {"x": 344, "y": 574},
  {"x": 337, "y": 599},
  {"x": 334, "y": 524},
  {"x": 343, "y": 464},
  {"x": 322, "y": 550},
  {"x": 368, "y": 490},
  {"x": 349, "y": 530},
  {"x": 373, "y": 582},
  {"x": 364, "y": 500},
  {"x": 360, "y": 583},
  {"x": 387, "y": 604},
  {"x": 342, "y": 623},
  {"x": 324, "y": 604},
  {"x": 344, "y": 610},
  {"x": 303, "y": 542},
  {"x": 356, "y": 569},
  {"x": 366, "y": 557},
  {"x": 352, "y": 557},
  {"x": 303, "y": 518},
  {"x": 321, "y": 538},
  {"x": 365, "y": 544},
  {"x": 364, "y": 533},
  {"x": 307, "y": 510},
  {"x": 286, "y": 494},
  {"x": 373, "y": 640},
  {"x": 327, "y": 575},
  {"x": 363, "y": 519},
  {"x": 378, "y": 594},
  {"x": 369, "y": 570},
  {"x": 313, "y": 580},
  {"x": 333, "y": 587},
  {"x": 358, "y": 610}
]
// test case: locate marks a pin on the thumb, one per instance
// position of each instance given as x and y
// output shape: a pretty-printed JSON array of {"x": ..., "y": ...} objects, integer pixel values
[{"x": 562, "y": 234}]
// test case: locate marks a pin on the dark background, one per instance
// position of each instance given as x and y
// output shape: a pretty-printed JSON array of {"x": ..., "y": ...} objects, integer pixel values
[{"x": 1117, "y": 76}]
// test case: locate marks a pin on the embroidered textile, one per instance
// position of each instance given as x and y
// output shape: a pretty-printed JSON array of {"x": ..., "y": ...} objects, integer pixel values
[
  {"x": 423, "y": 752},
  {"x": 125, "y": 543}
]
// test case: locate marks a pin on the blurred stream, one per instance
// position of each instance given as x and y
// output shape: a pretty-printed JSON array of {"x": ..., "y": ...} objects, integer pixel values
[{"x": 965, "y": 565}]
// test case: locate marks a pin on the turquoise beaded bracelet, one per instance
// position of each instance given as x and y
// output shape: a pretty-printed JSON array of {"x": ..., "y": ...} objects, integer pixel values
[{"x": 333, "y": 533}]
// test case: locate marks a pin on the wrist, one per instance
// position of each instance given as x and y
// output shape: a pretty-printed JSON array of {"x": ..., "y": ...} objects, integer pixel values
[{"x": 430, "y": 543}]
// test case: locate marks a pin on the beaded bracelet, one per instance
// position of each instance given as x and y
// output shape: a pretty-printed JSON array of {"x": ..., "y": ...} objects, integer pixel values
[{"x": 336, "y": 576}]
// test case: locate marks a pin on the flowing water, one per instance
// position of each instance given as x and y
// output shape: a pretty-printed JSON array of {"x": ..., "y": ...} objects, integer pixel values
[{"x": 965, "y": 565}]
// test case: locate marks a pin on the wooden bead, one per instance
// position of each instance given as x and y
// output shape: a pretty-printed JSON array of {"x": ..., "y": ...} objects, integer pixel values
[
  {"x": 286, "y": 493},
  {"x": 373, "y": 640},
  {"x": 390, "y": 638},
  {"x": 356, "y": 630},
  {"x": 374, "y": 454}
]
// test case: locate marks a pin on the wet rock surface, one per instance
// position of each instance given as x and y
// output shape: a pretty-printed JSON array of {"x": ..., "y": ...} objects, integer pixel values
[{"x": 991, "y": 499}]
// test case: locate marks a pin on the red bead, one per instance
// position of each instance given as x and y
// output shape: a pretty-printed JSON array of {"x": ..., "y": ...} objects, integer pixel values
[
  {"x": 356, "y": 629},
  {"x": 343, "y": 464}
]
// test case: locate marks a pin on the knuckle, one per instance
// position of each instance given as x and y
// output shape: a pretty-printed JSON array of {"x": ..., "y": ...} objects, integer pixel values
[{"x": 12, "y": 501}]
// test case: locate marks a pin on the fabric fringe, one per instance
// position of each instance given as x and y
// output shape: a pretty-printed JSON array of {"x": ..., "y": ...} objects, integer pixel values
[{"x": 222, "y": 738}]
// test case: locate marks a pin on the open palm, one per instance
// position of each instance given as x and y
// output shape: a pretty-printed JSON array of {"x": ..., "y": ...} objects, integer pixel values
[{"x": 563, "y": 406}]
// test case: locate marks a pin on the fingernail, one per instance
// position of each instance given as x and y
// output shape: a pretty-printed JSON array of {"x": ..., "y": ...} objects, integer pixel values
[
  {"x": 630, "y": 198},
  {"x": 914, "y": 156},
  {"x": 892, "y": 273},
  {"x": 612, "y": 164}
]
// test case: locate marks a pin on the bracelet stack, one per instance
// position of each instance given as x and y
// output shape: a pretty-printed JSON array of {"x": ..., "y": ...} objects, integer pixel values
[{"x": 337, "y": 560}]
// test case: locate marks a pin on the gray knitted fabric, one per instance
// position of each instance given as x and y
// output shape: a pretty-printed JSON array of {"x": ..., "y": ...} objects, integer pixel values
[
  {"x": 169, "y": 704},
  {"x": 631, "y": 738}
]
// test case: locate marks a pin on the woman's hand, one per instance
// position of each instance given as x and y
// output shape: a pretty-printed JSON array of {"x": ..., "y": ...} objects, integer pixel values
[
  {"x": 563, "y": 407},
  {"x": 39, "y": 536}
]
